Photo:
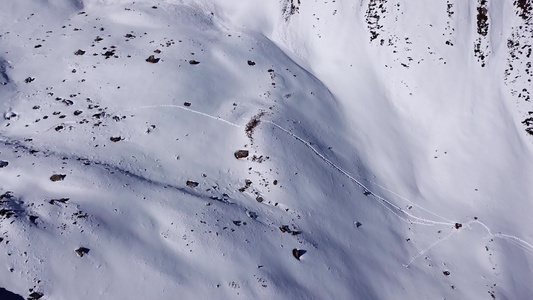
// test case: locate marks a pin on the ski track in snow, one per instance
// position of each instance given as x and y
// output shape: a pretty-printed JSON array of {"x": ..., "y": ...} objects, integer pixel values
[
  {"x": 393, "y": 208},
  {"x": 412, "y": 219},
  {"x": 179, "y": 107}
]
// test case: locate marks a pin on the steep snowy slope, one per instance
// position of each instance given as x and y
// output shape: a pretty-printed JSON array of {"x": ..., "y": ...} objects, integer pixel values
[{"x": 386, "y": 149}]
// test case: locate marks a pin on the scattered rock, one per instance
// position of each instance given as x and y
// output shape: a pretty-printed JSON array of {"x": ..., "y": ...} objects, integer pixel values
[
  {"x": 77, "y": 112},
  {"x": 108, "y": 54},
  {"x": 9, "y": 115},
  {"x": 251, "y": 215},
  {"x": 79, "y": 52},
  {"x": 193, "y": 62},
  {"x": 458, "y": 225},
  {"x": 3, "y": 164},
  {"x": 297, "y": 253},
  {"x": 284, "y": 228},
  {"x": 38, "y": 46},
  {"x": 33, "y": 219},
  {"x": 57, "y": 177},
  {"x": 259, "y": 199},
  {"x": 357, "y": 224},
  {"x": 252, "y": 124},
  {"x": 59, "y": 128},
  {"x": 192, "y": 183},
  {"x": 129, "y": 36},
  {"x": 82, "y": 251},
  {"x": 115, "y": 139},
  {"x": 6, "y": 213},
  {"x": 149, "y": 130},
  {"x": 7, "y": 195},
  {"x": 251, "y": 63},
  {"x": 241, "y": 154},
  {"x": 446, "y": 273},
  {"x": 67, "y": 102},
  {"x": 35, "y": 296},
  {"x": 157, "y": 51},
  {"x": 187, "y": 104},
  {"x": 99, "y": 115},
  {"x": 29, "y": 79},
  {"x": 62, "y": 200},
  {"x": 152, "y": 59}
]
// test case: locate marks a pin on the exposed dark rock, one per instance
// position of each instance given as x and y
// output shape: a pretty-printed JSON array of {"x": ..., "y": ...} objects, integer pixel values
[
  {"x": 9, "y": 115},
  {"x": 284, "y": 228},
  {"x": 33, "y": 219},
  {"x": 297, "y": 253},
  {"x": 241, "y": 153},
  {"x": 252, "y": 124},
  {"x": 252, "y": 215},
  {"x": 57, "y": 177},
  {"x": 79, "y": 52},
  {"x": 192, "y": 183},
  {"x": 29, "y": 79},
  {"x": 99, "y": 115},
  {"x": 187, "y": 104},
  {"x": 35, "y": 296},
  {"x": 193, "y": 62},
  {"x": 251, "y": 63},
  {"x": 447, "y": 273},
  {"x": 6, "y": 195},
  {"x": 3, "y": 164},
  {"x": 62, "y": 200},
  {"x": 6, "y": 213},
  {"x": 152, "y": 59},
  {"x": 81, "y": 251},
  {"x": 108, "y": 54},
  {"x": 115, "y": 139}
]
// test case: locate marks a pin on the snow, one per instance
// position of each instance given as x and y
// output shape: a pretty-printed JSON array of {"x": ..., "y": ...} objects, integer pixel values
[{"x": 391, "y": 163}]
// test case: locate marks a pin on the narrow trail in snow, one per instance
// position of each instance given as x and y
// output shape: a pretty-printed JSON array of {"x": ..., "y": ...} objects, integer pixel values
[
  {"x": 388, "y": 204},
  {"x": 178, "y": 107},
  {"x": 410, "y": 218}
]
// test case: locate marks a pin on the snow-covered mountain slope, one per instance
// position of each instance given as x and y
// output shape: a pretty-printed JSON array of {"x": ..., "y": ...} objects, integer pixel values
[{"x": 268, "y": 149}]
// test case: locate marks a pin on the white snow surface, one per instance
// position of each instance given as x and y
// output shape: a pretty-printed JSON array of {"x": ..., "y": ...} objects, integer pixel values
[{"x": 390, "y": 148}]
